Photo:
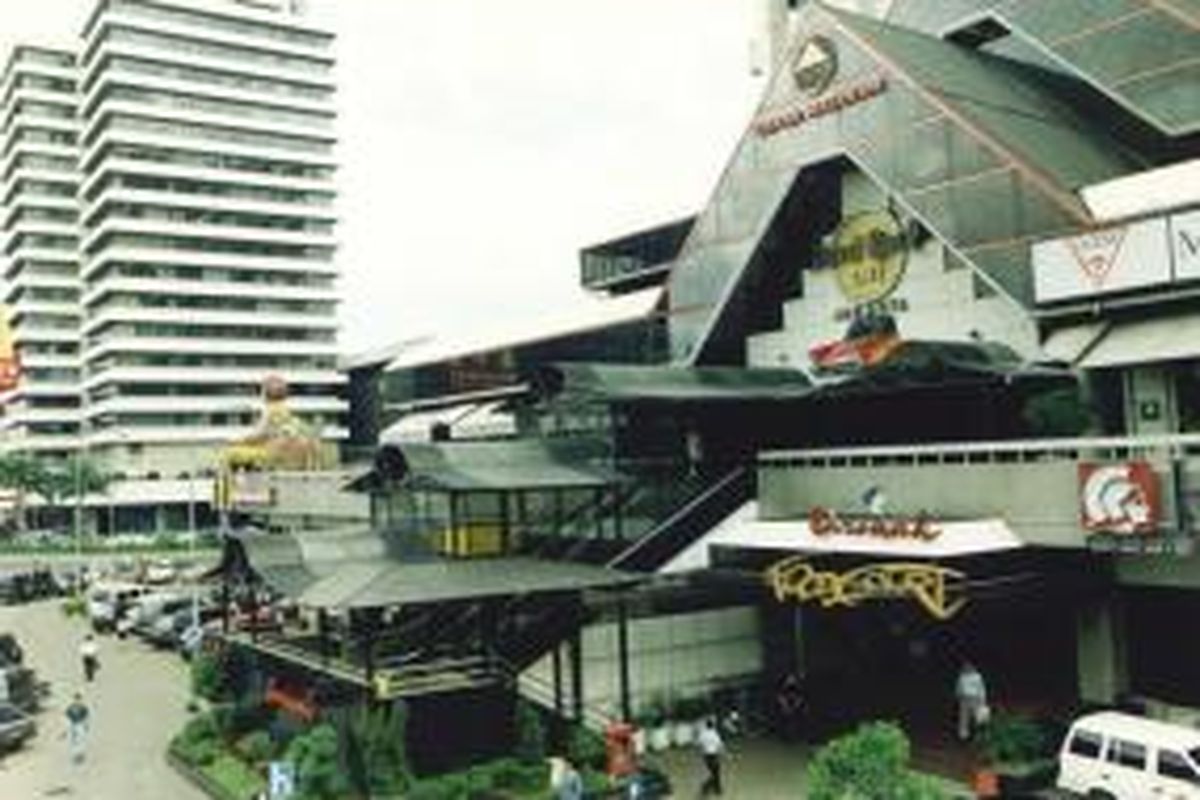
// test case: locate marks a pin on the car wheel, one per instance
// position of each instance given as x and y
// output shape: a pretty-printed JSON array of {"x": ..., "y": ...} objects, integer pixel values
[{"x": 1100, "y": 794}]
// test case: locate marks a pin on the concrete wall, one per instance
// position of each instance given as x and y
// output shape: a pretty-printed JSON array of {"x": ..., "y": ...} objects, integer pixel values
[
  {"x": 677, "y": 655},
  {"x": 1039, "y": 501},
  {"x": 317, "y": 497}
]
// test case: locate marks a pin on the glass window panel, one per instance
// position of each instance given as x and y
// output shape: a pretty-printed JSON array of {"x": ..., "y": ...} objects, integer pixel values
[
  {"x": 1145, "y": 42},
  {"x": 1049, "y": 21}
]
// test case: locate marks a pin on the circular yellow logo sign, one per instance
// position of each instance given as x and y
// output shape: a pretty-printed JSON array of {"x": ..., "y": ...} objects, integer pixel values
[{"x": 870, "y": 251}]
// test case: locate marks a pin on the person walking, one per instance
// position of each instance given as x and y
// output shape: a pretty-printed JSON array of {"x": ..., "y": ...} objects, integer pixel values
[
  {"x": 790, "y": 703},
  {"x": 77, "y": 728},
  {"x": 89, "y": 652},
  {"x": 712, "y": 747},
  {"x": 570, "y": 783},
  {"x": 971, "y": 693}
]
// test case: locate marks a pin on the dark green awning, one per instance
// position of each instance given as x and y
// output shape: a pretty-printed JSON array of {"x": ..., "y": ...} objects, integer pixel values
[
  {"x": 362, "y": 569},
  {"x": 667, "y": 384}
]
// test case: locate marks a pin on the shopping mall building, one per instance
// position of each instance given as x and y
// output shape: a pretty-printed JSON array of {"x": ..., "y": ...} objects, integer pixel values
[{"x": 929, "y": 392}]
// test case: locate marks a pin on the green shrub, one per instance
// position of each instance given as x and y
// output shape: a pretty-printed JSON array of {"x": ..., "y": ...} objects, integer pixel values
[
  {"x": 74, "y": 606},
  {"x": 201, "y": 726},
  {"x": 870, "y": 763},
  {"x": 1058, "y": 412},
  {"x": 208, "y": 679},
  {"x": 377, "y": 750},
  {"x": 196, "y": 752},
  {"x": 586, "y": 748},
  {"x": 531, "y": 733},
  {"x": 444, "y": 787},
  {"x": 237, "y": 778},
  {"x": 256, "y": 747},
  {"x": 318, "y": 770},
  {"x": 1011, "y": 738}
]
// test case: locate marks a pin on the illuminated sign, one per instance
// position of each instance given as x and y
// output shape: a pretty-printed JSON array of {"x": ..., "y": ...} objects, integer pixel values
[
  {"x": 930, "y": 586},
  {"x": 825, "y": 522},
  {"x": 1118, "y": 498},
  {"x": 853, "y": 94},
  {"x": 869, "y": 250}
]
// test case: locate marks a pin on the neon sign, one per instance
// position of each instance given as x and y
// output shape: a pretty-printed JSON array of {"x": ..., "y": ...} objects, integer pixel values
[
  {"x": 928, "y": 585},
  {"x": 826, "y": 522}
]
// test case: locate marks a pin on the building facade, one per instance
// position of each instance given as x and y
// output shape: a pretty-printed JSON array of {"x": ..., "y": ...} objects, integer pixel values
[
  {"x": 203, "y": 230},
  {"x": 41, "y": 263}
]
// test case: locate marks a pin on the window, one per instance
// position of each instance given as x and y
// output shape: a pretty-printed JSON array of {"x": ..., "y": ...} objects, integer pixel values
[
  {"x": 1086, "y": 744},
  {"x": 1127, "y": 754},
  {"x": 1174, "y": 765}
]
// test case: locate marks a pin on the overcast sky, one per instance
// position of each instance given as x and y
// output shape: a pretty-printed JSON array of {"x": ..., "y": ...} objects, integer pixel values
[{"x": 484, "y": 143}]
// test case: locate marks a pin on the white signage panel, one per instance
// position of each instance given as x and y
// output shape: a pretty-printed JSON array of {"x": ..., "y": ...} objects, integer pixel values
[
  {"x": 1185, "y": 245},
  {"x": 1101, "y": 262}
]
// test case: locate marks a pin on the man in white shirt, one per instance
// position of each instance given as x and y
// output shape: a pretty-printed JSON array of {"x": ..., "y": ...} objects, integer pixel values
[
  {"x": 711, "y": 748},
  {"x": 971, "y": 692},
  {"x": 89, "y": 652}
]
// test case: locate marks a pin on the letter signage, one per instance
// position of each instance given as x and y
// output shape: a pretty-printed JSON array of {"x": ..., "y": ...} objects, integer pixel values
[
  {"x": 826, "y": 522},
  {"x": 932, "y": 587}
]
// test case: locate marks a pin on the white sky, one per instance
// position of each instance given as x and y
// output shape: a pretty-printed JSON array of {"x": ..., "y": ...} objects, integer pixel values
[{"x": 484, "y": 142}]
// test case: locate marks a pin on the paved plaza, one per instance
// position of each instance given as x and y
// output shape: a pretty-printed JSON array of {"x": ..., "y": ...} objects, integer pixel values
[{"x": 137, "y": 702}]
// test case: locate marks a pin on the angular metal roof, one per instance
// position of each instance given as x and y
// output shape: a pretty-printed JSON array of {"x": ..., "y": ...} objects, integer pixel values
[
  {"x": 364, "y": 569},
  {"x": 630, "y": 383}
]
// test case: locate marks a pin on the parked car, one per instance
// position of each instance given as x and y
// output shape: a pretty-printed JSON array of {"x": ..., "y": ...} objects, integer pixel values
[
  {"x": 1115, "y": 756},
  {"x": 142, "y": 613},
  {"x": 161, "y": 571},
  {"x": 108, "y": 602},
  {"x": 11, "y": 653},
  {"x": 16, "y": 727},
  {"x": 25, "y": 691}
]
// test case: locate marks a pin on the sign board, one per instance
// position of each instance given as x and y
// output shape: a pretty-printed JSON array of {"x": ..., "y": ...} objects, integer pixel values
[
  {"x": 10, "y": 364},
  {"x": 281, "y": 780},
  {"x": 1119, "y": 498},
  {"x": 1099, "y": 262},
  {"x": 932, "y": 587},
  {"x": 1185, "y": 245},
  {"x": 826, "y": 522}
]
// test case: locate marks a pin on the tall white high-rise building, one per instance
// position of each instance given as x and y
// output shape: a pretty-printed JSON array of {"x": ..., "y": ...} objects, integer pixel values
[
  {"x": 38, "y": 213},
  {"x": 203, "y": 229}
]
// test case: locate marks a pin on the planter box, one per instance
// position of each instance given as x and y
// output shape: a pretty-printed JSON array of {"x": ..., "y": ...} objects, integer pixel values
[
  {"x": 1018, "y": 779},
  {"x": 198, "y": 779}
]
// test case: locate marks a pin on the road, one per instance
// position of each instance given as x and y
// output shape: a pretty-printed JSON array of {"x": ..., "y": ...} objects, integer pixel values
[{"x": 137, "y": 702}]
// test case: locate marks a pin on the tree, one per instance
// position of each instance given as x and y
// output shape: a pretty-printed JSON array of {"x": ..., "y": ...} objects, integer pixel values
[
  {"x": 870, "y": 763},
  {"x": 75, "y": 476},
  {"x": 22, "y": 475}
]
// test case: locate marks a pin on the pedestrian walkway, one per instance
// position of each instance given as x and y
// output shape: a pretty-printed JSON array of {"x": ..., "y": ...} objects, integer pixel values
[
  {"x": 754, "y": 769},
  {"x": 137, "y": 702}
]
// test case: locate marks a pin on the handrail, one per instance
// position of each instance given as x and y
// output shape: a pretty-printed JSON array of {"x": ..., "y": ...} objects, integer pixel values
[
  {"x": 1170, "y": 442},
  {"x": 680, "y": 514}
]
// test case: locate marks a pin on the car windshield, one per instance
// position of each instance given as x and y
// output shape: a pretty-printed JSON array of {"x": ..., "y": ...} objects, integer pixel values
[{"x": 1194, "y": 754}]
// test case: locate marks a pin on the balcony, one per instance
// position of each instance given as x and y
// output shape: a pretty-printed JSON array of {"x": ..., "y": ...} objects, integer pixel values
[{"x": 1035, "y": 486}]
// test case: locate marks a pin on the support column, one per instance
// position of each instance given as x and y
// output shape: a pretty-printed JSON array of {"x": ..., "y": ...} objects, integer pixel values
[
  {"x": 575, "y": 653},
  {"x": 558, "y": 681},
  {"x": 623, "y": 659},
  {"x": 1101, "y": 654}
]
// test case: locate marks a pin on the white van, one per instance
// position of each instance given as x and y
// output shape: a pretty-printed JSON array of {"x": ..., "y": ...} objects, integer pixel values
[{"x": 1114, "y": 756}]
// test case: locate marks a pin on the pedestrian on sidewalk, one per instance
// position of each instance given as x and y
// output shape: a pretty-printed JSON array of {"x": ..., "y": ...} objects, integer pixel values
[
  {"x": 790, "y": 703},
  {"x": 712, "y": 747},
  {"x": 971, "y": 693},
  {"x": 89, "y": 652},
  {"x": 77, "y": 728},
  {"x": 570, "y": 783}
]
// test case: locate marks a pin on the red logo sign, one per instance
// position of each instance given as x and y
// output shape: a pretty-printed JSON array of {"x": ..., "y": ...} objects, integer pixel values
[
  {"x": 1096, "y": 253},
  {"x": 1119, "y": 498}
]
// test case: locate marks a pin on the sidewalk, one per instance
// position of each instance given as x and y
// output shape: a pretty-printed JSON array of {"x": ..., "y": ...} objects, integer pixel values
[{"x": 754, "y": 769}]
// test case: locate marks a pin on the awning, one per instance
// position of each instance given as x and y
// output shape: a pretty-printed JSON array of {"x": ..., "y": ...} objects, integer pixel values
[
  {"x": 1072, "y": 343},
  {"x": 944, "y": 539},
  {"x": 505, "y": 465},
  {"x": 621, "y": 383},
  {"x": 363, "y": 569},
  {"x": 1170, "y": 338},
  {"x": 475, "y": 420}
]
